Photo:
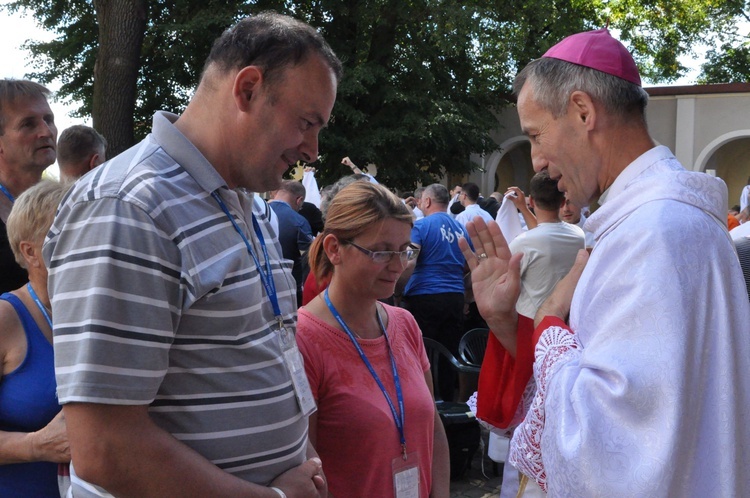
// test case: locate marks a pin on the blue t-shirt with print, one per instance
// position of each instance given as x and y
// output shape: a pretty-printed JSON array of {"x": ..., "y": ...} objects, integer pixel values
[{"x": 440, "y": 265}]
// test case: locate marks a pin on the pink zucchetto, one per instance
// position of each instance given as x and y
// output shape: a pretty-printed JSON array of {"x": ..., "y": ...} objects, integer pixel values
[{"x": 597, "y": 50}]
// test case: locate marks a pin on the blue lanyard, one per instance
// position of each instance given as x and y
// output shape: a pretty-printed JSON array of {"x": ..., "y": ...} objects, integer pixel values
[
  {"x": 7, "y": 193},
  {"x": 399, "y": 396},
  {"x": 39, "y": 304},
  {"x": 267, "y": 276}
]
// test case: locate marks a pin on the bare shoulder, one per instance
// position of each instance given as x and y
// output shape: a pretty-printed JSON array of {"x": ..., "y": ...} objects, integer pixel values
[
  {"x": 9, "y": 321},
  {"x": 12, "y": 338}
]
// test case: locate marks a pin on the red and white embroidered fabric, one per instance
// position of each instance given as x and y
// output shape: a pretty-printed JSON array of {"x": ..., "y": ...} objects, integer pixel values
[{"x": 555, "y": 347}]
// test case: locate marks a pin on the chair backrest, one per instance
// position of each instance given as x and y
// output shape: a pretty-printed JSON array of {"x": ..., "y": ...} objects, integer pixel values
[
  {"x": 432, "y": 348},
  {"x": 472, "y": 346},
  {"x": 435, "y": 351}
]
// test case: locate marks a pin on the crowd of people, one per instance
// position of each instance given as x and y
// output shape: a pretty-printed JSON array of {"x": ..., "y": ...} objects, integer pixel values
[{"x": 165, "y": 330}]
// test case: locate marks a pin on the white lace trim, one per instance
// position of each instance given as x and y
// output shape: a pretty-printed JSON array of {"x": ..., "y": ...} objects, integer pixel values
[
  {"x": 555, "y": 347},
  {"x": 472, "y": 402},
  {"x": 525, "y": 405}
]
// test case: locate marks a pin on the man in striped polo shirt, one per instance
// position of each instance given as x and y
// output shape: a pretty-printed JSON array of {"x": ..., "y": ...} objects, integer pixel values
[{"x": 175, "y": 355}]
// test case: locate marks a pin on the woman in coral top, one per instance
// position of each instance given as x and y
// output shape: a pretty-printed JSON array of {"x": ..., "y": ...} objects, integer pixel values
[{"x": 376, "y": 429}]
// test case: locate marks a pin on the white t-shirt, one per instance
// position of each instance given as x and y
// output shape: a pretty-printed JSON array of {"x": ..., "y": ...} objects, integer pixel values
[
  {"x": 549, "y": 251},
  {"x": 471, "y": 211}
]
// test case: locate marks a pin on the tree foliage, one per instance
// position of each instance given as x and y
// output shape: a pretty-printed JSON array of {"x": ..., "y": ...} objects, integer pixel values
[
  {"x": 423, "y": 78},
  {"x": 729, "y": 60}
]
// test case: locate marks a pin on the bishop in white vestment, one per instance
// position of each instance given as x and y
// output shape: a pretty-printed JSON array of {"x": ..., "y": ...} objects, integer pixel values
[{"x": 644, "y": 390}]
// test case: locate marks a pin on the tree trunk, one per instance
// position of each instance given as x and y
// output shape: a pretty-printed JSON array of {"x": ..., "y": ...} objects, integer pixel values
[{"x": 122, "y": 25}]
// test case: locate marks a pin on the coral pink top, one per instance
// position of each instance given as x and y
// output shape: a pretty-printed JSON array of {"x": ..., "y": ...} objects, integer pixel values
[{"x": 357, "y": 438}]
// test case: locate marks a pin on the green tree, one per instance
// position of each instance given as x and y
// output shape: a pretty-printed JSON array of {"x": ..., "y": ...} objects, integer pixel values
[
  {"x": 729, "y": 64},
  {"x": 122, "y": 26},
  {"x": 412, "y": 100},
  {"x": 729, "y": 61},
  {"x": 423, "y": 78},
  {"x": 121, "y": 60}
]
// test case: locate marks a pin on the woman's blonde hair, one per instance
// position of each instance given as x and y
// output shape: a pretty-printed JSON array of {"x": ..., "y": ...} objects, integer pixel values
[
  {"x": 353, "y": 210},
  {"x": 32, "y": 215}
]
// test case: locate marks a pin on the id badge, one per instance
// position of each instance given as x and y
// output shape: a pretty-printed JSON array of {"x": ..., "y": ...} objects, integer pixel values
[
  {"x": 296, "y": 367},
  {"x": 406, "y": 476}
]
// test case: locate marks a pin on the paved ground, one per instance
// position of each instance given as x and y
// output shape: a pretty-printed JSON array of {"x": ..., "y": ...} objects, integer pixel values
[{"x": 476, "y": 484}]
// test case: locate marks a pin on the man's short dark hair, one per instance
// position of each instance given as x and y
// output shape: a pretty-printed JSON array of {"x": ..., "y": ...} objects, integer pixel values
[
  {"x": 313, "y": 215},
  {"x": 293, "y": 187},
  {"x": 272, "y": 42},
  {"x": 78, "y": 143},
  {"x": 543, "y": 190},
  {"x": 438, "y": 193},
  {"x": 471, "y": 190},
  {"x": 11, "y": 90}
]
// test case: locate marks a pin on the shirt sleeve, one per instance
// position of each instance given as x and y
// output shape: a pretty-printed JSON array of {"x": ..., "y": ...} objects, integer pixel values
[
  {"x": 557, "y": 344},
  {"x": 416, "y": 233},
  {"x": 305, "y": 327},
  {"x": 638, "y": 389},
  {"x": 304, "y": 236},
  {"x": 112, "y": 279},
  {"x": 503, "y": 378}
]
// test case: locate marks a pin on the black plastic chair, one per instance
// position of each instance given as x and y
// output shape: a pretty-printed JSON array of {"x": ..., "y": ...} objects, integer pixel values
[
  {"x": 472, "y": 346},
  {"x": 461, "y": 427},
  {"x": 435, "y": 351}
]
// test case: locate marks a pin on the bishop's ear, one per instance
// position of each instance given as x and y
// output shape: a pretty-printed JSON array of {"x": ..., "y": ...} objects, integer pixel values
[{"x": 583, "y": 108}]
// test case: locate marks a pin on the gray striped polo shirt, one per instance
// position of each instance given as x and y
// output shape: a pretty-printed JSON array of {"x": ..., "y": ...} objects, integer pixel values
[{"x": 156, "y": 301}]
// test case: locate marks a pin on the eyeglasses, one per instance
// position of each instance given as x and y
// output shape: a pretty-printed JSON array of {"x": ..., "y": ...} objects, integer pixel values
[{"x": 382, "y": 257}]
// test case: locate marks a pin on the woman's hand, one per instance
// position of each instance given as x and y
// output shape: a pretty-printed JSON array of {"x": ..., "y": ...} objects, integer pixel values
[{"x": 50, "y": 444}]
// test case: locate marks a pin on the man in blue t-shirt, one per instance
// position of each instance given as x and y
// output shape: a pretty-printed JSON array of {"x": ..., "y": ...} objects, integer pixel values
[
  {"x": 434, "y": 293},
  {"x": 295, "y": 234}
]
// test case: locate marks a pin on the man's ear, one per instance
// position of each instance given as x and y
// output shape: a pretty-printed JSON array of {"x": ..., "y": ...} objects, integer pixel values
[
  {"x": 94, "y": 161},
  {"x": 583, "y": 109},
  {"x": 246, "y": 84}
]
